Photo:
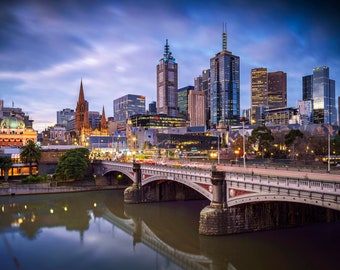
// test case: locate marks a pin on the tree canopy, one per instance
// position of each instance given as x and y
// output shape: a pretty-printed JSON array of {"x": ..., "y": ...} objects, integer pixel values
[
  {"x": 261, "y": 137},
  {"x": 30, "y": 153},
  {"x": 292, "y": 135},
  {"x": 73, "y": 164},
  {"x": 5, "y": 165}
]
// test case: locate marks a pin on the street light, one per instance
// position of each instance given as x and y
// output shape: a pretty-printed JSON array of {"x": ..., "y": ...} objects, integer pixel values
[
  {"x": 244, "y": 146},
  {"x": 218, "y": 149},
  {"x": 329, "y": 153}
]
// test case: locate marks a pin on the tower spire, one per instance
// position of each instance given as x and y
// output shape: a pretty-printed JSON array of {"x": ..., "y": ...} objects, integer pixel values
[
  {"x": 103, "y": 120},
  {"x": 166, "y": 48},
  {"x": 224, "y": 37},
  {"x": 81, "y": 92}
]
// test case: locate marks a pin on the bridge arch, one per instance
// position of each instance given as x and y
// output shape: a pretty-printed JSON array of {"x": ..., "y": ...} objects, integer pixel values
[
  {"x": 204, "y": 192},
  {"x": 123, "y": 171},
  {"x": 303, "y": 199}
]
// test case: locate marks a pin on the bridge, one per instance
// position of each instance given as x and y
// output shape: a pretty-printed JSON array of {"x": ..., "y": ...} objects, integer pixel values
[
  {"x": 233, "y": 192},
  {"x": 244, "y": 186}
]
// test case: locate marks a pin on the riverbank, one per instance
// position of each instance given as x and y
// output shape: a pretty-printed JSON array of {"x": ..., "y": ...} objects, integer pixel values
[{"x": 11, "y": 189}]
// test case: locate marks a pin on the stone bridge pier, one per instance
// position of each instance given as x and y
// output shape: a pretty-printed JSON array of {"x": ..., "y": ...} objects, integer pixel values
[
  {"x": 213, "y": 218},
  {"x": 220, "y": 219},
  {"x": 134, "y": 193}
]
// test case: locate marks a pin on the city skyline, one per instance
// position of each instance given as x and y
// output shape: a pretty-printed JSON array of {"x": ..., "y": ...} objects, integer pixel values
[{"x": 48, "y": 47}]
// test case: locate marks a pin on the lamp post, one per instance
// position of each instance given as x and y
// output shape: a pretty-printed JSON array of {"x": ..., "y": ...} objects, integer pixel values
[
  {"x": 218, "y": 149},
  {"x": 244, "y": 146},
  {"x": 329, "y": 153}
]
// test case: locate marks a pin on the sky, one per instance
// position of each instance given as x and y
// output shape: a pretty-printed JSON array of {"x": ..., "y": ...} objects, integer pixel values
[{"x": 47, "y": 47}]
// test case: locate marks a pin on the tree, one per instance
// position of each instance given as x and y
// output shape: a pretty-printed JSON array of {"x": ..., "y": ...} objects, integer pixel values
[
  {"x": 292, "y": 135},
  {"x": 73, "y": 164},
  {"x": 5, "y": 164},
  {"x": 237, "y": 146},
  {"x": 30, "y": 153},
  {"x": 293, "y": 141},
  {"x": 261, "y": 137}
]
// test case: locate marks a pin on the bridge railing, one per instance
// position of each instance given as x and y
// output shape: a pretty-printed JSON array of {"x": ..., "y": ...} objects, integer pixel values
[{"x": 289, "y": 183}]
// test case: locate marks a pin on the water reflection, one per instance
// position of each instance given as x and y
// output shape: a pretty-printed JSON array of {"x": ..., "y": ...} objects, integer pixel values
[{"x": 96, "y": 230}]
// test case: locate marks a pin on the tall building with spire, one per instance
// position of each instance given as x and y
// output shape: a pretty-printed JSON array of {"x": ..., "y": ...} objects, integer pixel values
[
  {"x": 224, "y": 87},
  {"x": 167, "y": 84},
  {"x": 82, "y": 111},
  {"x": 82, "y": 124}
]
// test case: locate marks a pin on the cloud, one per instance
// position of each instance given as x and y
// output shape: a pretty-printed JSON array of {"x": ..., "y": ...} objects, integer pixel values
[{"x": 48, "y": 46}]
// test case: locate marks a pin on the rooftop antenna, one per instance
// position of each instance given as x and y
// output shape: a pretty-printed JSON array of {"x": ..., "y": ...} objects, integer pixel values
[
  {"x": 224, "y": 37},
  {"x": 166, "y": 48}
]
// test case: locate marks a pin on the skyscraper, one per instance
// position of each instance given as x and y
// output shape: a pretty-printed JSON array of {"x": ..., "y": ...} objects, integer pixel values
[
  {"x": 126, "y": 106},
  {"x": 225, "y": 87},
  {"x": 196, "y": 112},
  {"x": 277, "y": 89},
  {"x": 307, "y": 87},
  {"x": 183, "y": 94},
  {"x": 268, "y": 90},
  {"x": 167, "y": 84},
  {"x": 202, "y": 83},
  {"x": 321, "y": 90},
  {"x": 259, "y": 91}
]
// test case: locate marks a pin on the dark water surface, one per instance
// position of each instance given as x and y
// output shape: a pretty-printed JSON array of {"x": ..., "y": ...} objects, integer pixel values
[{"x": 96, "y": 230}]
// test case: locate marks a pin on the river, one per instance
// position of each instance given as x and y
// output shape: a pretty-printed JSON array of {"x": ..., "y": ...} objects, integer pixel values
[{"x": 96, "y": 230}]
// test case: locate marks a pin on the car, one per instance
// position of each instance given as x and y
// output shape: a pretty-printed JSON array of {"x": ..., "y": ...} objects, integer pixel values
[
  {"x": 177, "y": 165},
  {"x": 150, "y": 162}
]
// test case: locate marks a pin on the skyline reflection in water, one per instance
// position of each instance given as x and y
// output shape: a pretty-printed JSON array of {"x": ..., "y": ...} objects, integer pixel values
[{"x": 96, "y": 230}]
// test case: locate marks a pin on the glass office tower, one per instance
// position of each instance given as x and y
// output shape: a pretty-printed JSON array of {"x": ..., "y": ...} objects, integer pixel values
[
  {"x": 128, "y": 105},
  {"x": 323, "y": 95},
  {"x": 225, "y": 87}
]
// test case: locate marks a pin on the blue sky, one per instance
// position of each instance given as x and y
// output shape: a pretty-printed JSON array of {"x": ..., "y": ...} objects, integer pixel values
[{"x": 47, "y": 47}]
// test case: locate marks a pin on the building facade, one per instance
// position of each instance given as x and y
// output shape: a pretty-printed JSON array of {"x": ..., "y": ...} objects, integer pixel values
[
  {"x": 167, "y": 84},
  {"x": 277, "y": 89},
  {"x": 14, "y": 132},
  {"x": 307, "y": 87},
  {"x": 183, "y": 94},
  {"x": 128, "y": 105},
  {"x": 225, "y": 87},
  {"x": 159, "y": 121},
  {"x": 64, "y": 116},
  {"x": 259, "y": 91},
  {"x": 83, "y": 126},
  {"x": 196, "y": 111},
  {"x": 268, "y": 89},
  {"x": 321, "y": 90}
]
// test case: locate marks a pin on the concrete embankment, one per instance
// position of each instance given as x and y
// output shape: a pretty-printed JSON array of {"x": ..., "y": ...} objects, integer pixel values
[{"x": 7, "y": 189}]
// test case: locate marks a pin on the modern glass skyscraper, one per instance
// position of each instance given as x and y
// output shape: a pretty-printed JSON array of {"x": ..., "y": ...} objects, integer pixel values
[
  {"x": 128, "y": 105},
  {"x": 225, "y": 87},
  {"x": 183, "y": 94},
  {"x": 307, "y": 87},
  {"x": 167, "y": 84},
  {"x": 321, "y": 91}
]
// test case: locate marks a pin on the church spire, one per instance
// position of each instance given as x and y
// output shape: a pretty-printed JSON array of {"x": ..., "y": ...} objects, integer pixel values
[
  {"x": 103, "y": 124},
  {"x": 81, "y": 92}
]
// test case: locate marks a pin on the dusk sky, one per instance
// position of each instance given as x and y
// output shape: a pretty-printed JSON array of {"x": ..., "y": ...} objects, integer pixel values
[{"x": 47, "y": 47}]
